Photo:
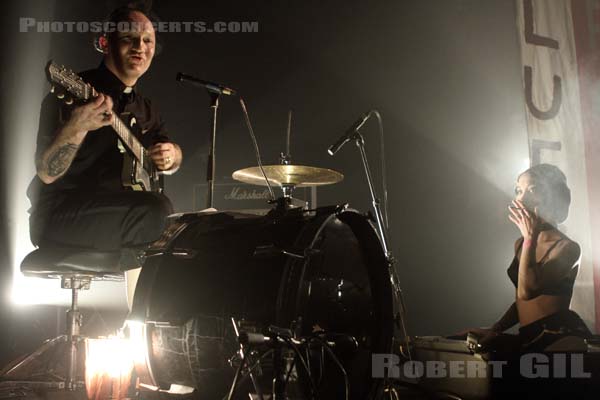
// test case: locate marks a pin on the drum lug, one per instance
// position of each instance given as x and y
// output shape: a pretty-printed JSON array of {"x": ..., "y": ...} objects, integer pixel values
[
  {"x": 183, "y": 253},
  {"x": 272, "y": 250},
  {"x": 159, "y": 324},
  {"x": 341, "y": 208},
  {"x": 301, "y": 254},
  {"x": 337, "y": 209}
]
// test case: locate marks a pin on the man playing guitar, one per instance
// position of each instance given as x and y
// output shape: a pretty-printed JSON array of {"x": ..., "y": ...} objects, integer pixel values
[{"x": 78, "y": 196}]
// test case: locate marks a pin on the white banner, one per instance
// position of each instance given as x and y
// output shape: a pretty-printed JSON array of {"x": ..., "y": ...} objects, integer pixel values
[{"x": 554, "y": 122}]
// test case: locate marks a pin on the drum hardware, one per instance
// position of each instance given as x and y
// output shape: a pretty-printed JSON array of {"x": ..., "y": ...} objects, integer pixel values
[
  {"x": 286, "y": 158},
  {"x": 307, "y": 252},
  {"x": 190, "y": 287},
  {"x": 286, "y": 203},
  {"x": 242, "y": 354},
  {"x": 280, "y": 339},
  {"x": 287, "y": 175},
  {"x": 183, "y": 253},
  {"x": 271, "y": 250},
  {"x": 382, "y": 228}
]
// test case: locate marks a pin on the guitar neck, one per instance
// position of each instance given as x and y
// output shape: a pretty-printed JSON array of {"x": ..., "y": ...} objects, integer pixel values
[
  {"x": 72, "y": 84},
  {"x": 128, "y": 138}
]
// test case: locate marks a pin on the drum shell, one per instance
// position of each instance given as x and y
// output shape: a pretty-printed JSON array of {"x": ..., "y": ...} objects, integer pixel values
[{"x": 303, "y": 271}]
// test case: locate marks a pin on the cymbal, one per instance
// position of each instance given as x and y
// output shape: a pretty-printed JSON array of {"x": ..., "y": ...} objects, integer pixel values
[{"x": 292, "y": 175}]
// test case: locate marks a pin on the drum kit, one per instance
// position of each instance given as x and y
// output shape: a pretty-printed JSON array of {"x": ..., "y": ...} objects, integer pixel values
[{"x": 287, "y": 305}]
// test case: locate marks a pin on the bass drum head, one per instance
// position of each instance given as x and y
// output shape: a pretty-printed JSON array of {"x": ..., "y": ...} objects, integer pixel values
[
  {"x": 321, "y": 274},
  {"x": 344, "y": 290}
]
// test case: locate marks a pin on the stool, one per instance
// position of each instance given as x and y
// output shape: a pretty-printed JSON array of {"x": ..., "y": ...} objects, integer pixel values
[{"x": 76, "y": 268}]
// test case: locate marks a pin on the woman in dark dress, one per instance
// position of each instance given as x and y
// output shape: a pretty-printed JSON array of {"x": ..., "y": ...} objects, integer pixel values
[{"x": 545, "y": 265}]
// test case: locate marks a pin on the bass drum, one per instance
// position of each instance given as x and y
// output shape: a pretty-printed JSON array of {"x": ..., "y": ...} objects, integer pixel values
[{"x": 312, "y": 271}]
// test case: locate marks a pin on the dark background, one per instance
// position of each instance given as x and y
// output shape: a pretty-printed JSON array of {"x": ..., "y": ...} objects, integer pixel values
[{"x": 444, "y": 74}]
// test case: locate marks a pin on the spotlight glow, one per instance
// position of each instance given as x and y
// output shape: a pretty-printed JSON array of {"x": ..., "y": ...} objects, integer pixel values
[
  {"x": 137, "y": 341},
  {"x": 108, "y": 367},
  {"x": 526, "y": 164}
]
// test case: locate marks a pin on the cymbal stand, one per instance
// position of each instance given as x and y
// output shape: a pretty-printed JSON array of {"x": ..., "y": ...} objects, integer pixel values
[
  {"x": 287, "y": 201},
  {"x": 286, "y": 159}
]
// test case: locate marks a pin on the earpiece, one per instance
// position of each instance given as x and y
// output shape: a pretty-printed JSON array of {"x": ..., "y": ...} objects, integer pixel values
[{"x": 101, "y": 43}]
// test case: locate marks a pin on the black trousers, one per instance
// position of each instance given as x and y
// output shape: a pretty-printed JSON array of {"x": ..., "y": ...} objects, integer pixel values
[{"x": 103, "y": 221}]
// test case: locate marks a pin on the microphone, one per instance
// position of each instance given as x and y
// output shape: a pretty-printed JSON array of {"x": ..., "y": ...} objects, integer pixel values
[
  {"x": 252, "y": 339},
  {"x": 211, "y": 86},
  {"x": 334, "y": 148}
]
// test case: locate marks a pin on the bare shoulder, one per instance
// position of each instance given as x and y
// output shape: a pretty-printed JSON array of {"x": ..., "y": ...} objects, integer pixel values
[{"x": 567, "y": 250}]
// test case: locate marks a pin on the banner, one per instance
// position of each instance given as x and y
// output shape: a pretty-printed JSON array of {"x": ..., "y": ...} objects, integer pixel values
[{"x": 559, "y": 102}]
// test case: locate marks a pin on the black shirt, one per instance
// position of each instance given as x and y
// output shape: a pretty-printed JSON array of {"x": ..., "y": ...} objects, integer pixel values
[{"x": 98, "y": 163}]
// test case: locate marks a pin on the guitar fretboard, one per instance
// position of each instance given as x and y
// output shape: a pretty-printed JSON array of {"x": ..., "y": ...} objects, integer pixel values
[{"x": 128, "y": 138}]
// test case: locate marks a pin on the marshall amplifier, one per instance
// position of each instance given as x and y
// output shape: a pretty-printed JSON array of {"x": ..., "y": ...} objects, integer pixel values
[{"x": 233, "y": 195}]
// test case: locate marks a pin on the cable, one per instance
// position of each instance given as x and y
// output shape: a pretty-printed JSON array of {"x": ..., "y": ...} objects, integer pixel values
[
  {"x": 299, "y": 355},
  {"x": 256, "y": 150},
  {"x": 338, "y": 363},
  {"x": 289, "y": 373}
]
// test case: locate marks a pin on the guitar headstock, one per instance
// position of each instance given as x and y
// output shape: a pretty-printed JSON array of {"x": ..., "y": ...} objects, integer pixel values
[{"x": 64, "y": 81}]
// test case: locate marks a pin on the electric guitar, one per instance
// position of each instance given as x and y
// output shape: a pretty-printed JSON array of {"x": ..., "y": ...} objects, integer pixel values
[{"x": 139, "y": 171}]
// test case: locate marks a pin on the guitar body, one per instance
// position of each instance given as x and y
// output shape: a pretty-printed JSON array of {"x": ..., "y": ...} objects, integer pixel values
[
  {"x": 135, "y": 177},
  {"x": 135, "y": 174}
]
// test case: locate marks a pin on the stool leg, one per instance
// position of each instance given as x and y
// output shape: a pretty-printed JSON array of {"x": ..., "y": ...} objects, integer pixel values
[{"x": 73, "y": 331}]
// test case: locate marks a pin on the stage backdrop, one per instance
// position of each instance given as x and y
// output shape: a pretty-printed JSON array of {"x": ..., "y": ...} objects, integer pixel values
[{"x": 559, "y": 44}]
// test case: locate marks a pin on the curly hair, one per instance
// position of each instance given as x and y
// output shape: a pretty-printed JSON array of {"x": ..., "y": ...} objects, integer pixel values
[{"x": 555, "y": 193}]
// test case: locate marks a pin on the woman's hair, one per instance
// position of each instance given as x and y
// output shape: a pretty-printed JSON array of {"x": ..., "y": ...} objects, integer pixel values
[{"x": 555, "y": 194}]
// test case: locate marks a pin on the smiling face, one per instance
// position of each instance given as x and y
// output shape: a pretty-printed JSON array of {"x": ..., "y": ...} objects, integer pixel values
[{"x": 129, "y": 53}]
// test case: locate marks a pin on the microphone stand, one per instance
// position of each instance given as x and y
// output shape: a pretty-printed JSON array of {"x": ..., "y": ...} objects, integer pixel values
[
  {"x": 210, "y": 168},
  {"x": 382, "y": 229}
]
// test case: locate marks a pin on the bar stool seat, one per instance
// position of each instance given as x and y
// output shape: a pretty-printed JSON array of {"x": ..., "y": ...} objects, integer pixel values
[
  {"x": 76, "y": 268},
  {"x": 60, "y": 262}
]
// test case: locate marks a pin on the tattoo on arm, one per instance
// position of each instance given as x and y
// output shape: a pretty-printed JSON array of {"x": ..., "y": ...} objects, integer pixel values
[{"x": 58, "y": 162}]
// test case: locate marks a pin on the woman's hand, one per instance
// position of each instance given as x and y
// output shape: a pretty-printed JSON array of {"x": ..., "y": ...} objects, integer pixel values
[
  {"x": 485, "y": 336},
  {"x": 528, "y": 222}
]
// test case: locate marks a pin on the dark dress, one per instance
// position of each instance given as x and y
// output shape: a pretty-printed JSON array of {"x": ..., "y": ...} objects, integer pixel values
[{"x": 543, "y": 332}]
